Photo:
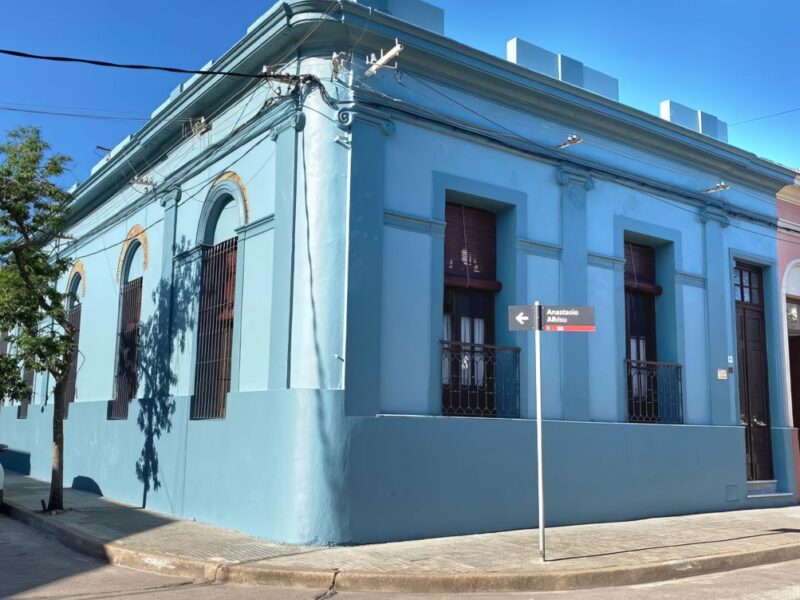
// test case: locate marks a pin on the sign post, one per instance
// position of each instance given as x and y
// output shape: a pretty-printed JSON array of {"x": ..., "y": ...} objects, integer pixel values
[
  {"x": 539, "y": 456},
  {"x": 561, "y": 319}
]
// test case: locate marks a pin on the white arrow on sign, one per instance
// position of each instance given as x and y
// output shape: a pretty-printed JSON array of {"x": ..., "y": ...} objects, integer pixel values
[{"x": 521, "y": 318}]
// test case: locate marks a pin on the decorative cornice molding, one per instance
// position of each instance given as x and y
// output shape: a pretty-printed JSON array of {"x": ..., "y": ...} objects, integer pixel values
[
  {"x": 366, "y": 114},
  {"x": 256, "y": 227},
  {"x": 442, "y": 59},
  {"x": 537, "y": 248},
  {"x": 413, "y": 223},
  {"x": 189, "y": 255},
  {"x": 606, "y": 261},
  {"x": 296, "y": 121},
  {"x": 569, "y": 175},
  {"x": 714, "y": 213},
  {"x": 790, "y": 193},
  {"x": 170, "y": 198},
  {"x": 692, "y": 279}
]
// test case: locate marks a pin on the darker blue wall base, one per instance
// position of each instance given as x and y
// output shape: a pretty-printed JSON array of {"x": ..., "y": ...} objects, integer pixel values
[
  {"x": 290, "y": 466},
  {"x": 272, "y": 468},
  {"x": 418, "y": 477}
]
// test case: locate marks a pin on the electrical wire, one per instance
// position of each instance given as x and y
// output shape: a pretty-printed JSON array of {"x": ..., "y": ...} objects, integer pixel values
[
  {"x": 221, "y": 144},
  {"x": 71, "y": 114},
  {"x": 731, "y": 210},
  {"x": 186, "y": 198},
  {"x": 235, "y": 98},
  {"x": 761, "y": 118},
  {"x": 115, "y": 65}
]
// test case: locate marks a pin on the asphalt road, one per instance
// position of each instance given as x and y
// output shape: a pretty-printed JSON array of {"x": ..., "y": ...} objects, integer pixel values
[{"x": 35, "y": 566}]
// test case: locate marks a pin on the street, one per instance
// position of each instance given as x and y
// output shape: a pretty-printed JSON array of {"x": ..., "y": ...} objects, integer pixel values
[{"x": 37, "y": 566}]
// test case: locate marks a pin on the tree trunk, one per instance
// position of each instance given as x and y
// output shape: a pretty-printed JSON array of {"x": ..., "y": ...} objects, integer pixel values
[{"x": 56, "y": 501}]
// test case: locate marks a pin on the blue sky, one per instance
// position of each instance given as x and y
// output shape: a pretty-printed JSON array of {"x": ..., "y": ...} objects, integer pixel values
[{"x": 732, "y": 58}]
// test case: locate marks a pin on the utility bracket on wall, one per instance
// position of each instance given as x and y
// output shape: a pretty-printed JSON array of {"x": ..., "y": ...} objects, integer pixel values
[{"x": 384, "y": 60}]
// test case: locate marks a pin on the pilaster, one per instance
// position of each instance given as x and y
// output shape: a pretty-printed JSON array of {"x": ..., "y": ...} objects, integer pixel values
[
  {"x": 574, "y": 289},
  {"x": 722, "y": 393},
  {"x": 165, "y": 302},
  {"x": 368, "y": 129},
  {"x": 286, "y": 159}
]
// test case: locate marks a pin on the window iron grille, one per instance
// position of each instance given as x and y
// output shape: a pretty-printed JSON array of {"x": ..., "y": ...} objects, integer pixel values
[
  {"x": 22, "y": 408},
  {"x": 215, "y": 330},
  {"x": 70, "y": 387},
  {"x": 480, "y": 380},
  {"x": 127, "y": 350},
  {"x": 654, "y": 392}
]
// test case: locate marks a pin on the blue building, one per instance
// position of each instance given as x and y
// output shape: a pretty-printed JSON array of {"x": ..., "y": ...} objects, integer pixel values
[{"x": 292, "y": 297}]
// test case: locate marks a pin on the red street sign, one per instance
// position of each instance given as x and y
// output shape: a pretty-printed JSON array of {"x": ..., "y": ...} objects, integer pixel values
[
  {"x": 568, "y": 318},
  {"x": 589, "y": 328}
]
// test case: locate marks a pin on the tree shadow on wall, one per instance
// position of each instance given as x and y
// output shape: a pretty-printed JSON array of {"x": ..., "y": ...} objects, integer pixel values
[{"x": 167, "y": 325}]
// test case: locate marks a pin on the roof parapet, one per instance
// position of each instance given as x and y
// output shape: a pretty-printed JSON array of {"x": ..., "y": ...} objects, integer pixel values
[
  {"x": 562, "y": 67},
  {"x": 115, "y": 150},
  {"x": 416, "y": 12},
  {"x": 696, "y": 120}
]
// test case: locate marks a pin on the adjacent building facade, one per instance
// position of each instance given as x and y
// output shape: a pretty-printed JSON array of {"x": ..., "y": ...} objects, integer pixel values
[{"x": 292, "y": 299}]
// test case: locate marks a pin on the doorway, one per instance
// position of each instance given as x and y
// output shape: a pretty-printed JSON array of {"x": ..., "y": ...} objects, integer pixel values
[
  {"x": 751, "y": 345},
  {"x": 793, "y": 328}
]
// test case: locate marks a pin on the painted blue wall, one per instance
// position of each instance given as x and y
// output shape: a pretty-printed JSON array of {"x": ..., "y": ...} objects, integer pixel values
[{"x": 332, "y": 431}]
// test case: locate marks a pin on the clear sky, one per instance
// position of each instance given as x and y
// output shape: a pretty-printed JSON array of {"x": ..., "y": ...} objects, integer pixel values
[{"x": 737, "y": 59}]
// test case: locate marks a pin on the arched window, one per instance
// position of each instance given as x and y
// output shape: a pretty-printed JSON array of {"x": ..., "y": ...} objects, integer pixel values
[
  {"x": 74, "y": 302},
  {"x": 126, "y": 380},
  {"x": 222, "y": 216}
]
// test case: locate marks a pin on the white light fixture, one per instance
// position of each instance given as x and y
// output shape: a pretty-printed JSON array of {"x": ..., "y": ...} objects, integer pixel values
[
  {"x": 571, "y": 141},
  {"x": 383, "y": 60},
  {"x": 717, "y": 188},
  {"x": 145, "y": 181}
]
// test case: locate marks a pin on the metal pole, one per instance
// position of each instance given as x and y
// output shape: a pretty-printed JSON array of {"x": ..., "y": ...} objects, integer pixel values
[{"x": 539, "y": 460}]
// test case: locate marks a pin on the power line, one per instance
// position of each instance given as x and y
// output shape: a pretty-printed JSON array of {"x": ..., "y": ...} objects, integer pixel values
[
  {"x": 137, "y": 67},
  {"x": 72, "y": 114},
  {"x": 633, "y": 184},
  {"x": 761, "y": 118}
]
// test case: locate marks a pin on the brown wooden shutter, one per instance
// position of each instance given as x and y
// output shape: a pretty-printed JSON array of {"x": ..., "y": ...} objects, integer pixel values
[
  {"x": 640, "y": 268},
  {"x": 22, "y": 409},
  {"x": 470, "y": 247},
  {"x": 127, "y": 349},
  {"x": 70, "y": 386},
  {"x": 215, "y": 331}
]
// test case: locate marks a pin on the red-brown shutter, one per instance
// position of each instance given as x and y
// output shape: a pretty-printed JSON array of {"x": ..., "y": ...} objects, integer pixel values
[
  {"x": 470, "y": 247},
  {"x": 70, "y": 385},
  {"x": 640, "y": 268},
  {"x": 22, "y": 409}
]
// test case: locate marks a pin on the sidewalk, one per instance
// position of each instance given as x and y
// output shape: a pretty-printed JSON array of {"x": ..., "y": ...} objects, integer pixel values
[{"x": 578, "y": 556}]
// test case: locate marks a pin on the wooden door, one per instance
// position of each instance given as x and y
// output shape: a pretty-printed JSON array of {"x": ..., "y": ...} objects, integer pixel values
[{"x": 753, "y": 384}]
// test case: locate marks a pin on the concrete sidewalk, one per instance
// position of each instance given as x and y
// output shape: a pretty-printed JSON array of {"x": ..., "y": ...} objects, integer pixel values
[{"x": 578, "y": 556}]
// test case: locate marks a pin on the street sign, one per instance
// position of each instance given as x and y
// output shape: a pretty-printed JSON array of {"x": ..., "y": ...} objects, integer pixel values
[
  {"x": 521, "y": 317},
  {"x": 568, "y": 318},
  {"x": 561, "y": 319},
  {"x": 538, "y": 318}
]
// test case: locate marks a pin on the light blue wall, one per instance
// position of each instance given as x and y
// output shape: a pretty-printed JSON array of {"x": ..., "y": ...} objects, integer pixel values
[{"x": 332, "y": 431}]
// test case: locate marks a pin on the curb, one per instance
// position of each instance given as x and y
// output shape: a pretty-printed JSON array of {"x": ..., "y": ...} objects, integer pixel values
[{"x": 336, "y": 580}]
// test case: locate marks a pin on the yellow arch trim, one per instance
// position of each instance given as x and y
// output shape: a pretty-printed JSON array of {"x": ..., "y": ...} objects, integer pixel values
[
  {"x": 231, "y": 176},
  {"x": 77, "y": 269},
  {"x": 136, "y": 233}
]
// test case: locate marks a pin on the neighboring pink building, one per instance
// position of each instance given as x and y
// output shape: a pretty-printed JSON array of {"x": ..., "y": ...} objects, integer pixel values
[{"x": 788, "y": 208}]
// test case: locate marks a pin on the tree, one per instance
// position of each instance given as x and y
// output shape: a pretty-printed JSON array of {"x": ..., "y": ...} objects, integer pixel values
[{"x": 33, "y": 312}]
